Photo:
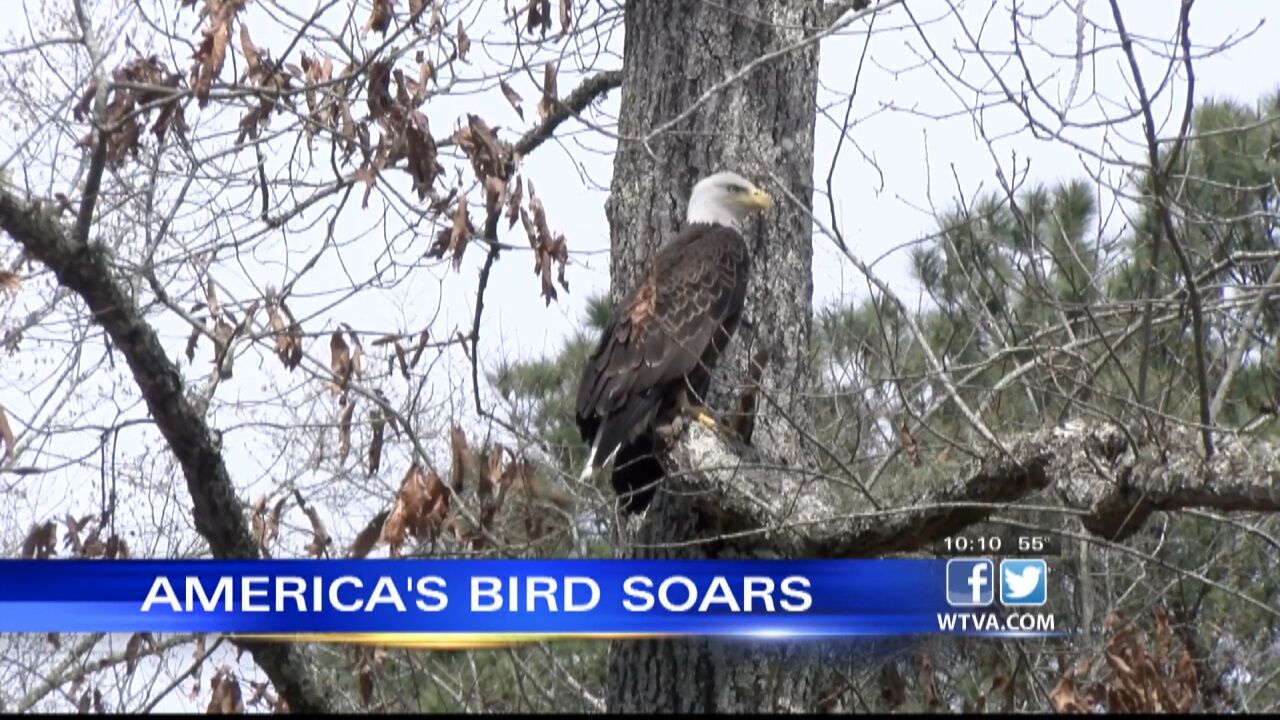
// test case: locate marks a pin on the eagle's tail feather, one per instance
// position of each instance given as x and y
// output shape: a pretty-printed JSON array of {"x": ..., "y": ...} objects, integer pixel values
[
  {"x": 590, "y": 466},
  {"x": 626, "y": 438},
  {"x": 636, "y": 474}
]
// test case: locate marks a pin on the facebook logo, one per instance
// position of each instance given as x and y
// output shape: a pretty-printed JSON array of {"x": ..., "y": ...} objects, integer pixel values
[
  {"x": 1022, "y": 582},
  {"x": 971, "y": 582}
]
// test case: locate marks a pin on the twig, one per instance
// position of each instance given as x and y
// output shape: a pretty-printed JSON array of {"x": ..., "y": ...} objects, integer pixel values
[{"x": 1170, "y": 233}]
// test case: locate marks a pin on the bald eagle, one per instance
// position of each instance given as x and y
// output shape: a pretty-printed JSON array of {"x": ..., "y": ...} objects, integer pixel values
[{"x": 655, "y": 357}]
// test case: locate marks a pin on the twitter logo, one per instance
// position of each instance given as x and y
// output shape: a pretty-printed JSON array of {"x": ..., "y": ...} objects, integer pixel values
[{"x": 1023, "y": 582}]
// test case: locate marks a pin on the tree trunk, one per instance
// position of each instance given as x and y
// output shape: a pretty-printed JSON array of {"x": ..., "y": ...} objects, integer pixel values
[{"x": 761, "y": 126}]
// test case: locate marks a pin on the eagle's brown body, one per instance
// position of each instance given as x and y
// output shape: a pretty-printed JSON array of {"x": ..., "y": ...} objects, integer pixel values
[{"x": 664, "y": 340}]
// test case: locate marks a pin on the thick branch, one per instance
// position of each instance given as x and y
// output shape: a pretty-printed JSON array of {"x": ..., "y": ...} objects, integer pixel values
[
  {"x": 218, "y": 514},
  {"x": 1094, "y": 471},
  {"x": 578, "y": 100}
]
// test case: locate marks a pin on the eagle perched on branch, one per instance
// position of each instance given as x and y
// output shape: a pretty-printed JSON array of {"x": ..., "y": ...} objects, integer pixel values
[{"x": 656, "y": 356}]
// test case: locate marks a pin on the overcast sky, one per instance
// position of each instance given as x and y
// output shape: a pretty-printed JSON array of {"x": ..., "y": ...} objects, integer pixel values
[{"x": 926, "y": 147}]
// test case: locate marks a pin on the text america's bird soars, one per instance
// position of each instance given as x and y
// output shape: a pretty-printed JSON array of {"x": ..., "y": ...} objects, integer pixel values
[{"x": 658, "y": 351}]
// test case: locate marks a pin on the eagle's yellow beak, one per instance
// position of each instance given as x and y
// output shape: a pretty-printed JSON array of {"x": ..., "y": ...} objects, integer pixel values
[{"x": 757, "y": 199}]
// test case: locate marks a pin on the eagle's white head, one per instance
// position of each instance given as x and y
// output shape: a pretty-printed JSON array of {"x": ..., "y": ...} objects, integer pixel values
[{"x": 726, "y": 198}]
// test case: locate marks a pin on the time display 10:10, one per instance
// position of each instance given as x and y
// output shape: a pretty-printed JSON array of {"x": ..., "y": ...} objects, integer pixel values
[{"x": 993, "y": 544}]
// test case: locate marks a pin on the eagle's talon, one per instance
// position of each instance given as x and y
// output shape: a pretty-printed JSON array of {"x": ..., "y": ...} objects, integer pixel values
[{"x": 708, "y": 420}]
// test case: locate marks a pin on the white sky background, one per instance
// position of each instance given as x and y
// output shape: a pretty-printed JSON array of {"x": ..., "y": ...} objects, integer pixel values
[{"x": 906, "y": 117}]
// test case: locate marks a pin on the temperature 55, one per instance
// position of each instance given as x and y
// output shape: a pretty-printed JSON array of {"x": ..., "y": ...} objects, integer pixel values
[{"x": 1031, "y": 544}]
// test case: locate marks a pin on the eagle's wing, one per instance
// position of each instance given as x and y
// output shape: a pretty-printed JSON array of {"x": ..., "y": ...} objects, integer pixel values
[{"x": 679, "y": 315}]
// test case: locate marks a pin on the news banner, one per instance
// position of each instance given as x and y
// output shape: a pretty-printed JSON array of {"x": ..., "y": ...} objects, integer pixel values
[{"x": 462, "y": 603}]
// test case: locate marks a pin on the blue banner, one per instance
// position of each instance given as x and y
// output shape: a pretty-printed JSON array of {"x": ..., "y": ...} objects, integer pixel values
[{"x": 478, "y": 602}]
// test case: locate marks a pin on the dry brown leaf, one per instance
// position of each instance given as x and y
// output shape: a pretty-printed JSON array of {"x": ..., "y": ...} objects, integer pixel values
[
  {"x": 555, "y": 251},
  {"x": 404, "y": 96},
  {"x": 377, "y": 425},
  {"x": 512, "y": 96},
  {"x": 131, "y": 650},
  {"x": 1163, "y": 635},
  {"x": 193, "y": 341},
  {"x": 365, "y": 677},
  {"x": 357, "y": 353},
  {"x": 513, "y": 202},
  {"x": 423, "y": 163},
  {"x": 404, "y": 363},
  {"x": 92, "y": 701},
  {"x": 548, "y": 101},
  {"x": 492, "y": 475},
  {"x": 252, "y": 58},
  {"x": 909, "y": 443},
  {"x": 410, "y": 505},
  {"x": 1133, "y": 680},
  {"x": 320, "y": 540},
  {"x": 225, "y": 698},
  {"x": 116, "y": 548},
  {"x": 288, "y": 334},
  {"x": 454, "y": 238},
  {"x": 437, "y": 18},
  {"x": 495, "y": 188},
  {"x": 893, "y": 689},
  {"x": 223, "y": 332},
  {"x": 71, "y": 537},
  {"x": 212, "y": 51},
  {"x": 489, "y": 156},
  {"x": 369, "y": 177},
  {"x": 1065, "y": 698},
  {"x": 548, "y": 249},
  {"x": 462, "y": 460},
  {"x": 273, "y": 523},
  {"x": 258, "y": 521},
  {"x": 10, "y": 281},
  {"x": 1185, "y": 683},
  {"x": 416, "y": 8},
  {"x": 380, "y": 17},
  {"x": 344, "y": 432},
  {"x": 41, "y": 541},
  {"x": 368, "y": 537},
  {"x": 423, "y": 337},
  {"x": 261, "y": 694},
  {"x": 339, "y": 363},
  {"x": 464, "y": 42},
  {"x": 134, "y": 95},
  {"x": 566, "y": 17},
  {"x": 93, "y": 547},
  {"x": 538, "y": 16},
  {"x": 379, "y": 89},
  {"x": 6, "y": 434}
]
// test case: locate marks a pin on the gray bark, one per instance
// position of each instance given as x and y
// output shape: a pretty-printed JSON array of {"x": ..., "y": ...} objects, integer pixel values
[
  {"x": 761, "y": 126},
  {"x": 1113, "y": 482}
]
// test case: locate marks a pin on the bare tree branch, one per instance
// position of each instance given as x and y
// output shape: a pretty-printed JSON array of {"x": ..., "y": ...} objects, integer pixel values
[
  {"x": 218, "y": 514},
  {"x": 1093, "y": 471}
]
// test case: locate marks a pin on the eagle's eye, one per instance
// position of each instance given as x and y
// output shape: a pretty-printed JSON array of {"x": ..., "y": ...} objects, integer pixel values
[{"x": 736, "y": 189}]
